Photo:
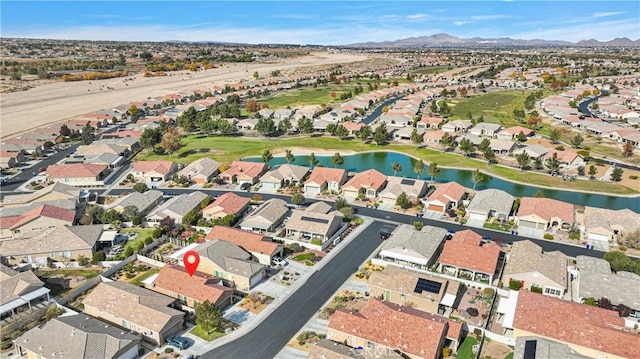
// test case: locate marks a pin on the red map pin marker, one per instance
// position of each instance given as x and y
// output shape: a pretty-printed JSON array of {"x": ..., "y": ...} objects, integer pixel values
[{"x": 191, "y": 259}]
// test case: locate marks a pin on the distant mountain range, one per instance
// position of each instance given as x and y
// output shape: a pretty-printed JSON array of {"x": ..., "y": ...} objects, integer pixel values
[{"x": 446, "y": 40}]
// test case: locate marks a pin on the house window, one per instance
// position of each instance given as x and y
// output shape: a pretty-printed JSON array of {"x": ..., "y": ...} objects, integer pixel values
[
  {"x": 52, "y": 255},
  {"x": 370, "y": 345},
  {"x": 17, "y": 231},
  {"x": 181, "y": 298},
  {"x": 125, "y": 324},
  {"x": 552, "y": 291},
  {"x": 402, "y": 296}
]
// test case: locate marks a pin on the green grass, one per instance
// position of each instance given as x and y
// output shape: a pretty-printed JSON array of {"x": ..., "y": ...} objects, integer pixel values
[
  {"x": 199, "y": 332},
  {"x": 498, "y": 227},
  {"x": 431, "y": 70},
  {"x": 142, "y": 234},
  {"x": 305, "y": 257},
  {"x": 466, "y": 349},
  {"x": 226, "y": 149},
  {"x": 87, "y": 273},
  {"x": 138, "y": 280},
  {"x": 509, "y": 356}
]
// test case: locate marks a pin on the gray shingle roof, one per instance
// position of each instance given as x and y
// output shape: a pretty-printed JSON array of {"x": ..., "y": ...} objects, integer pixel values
[
  {"x": 491, "y": 200},
  {"x": 230, "y": 257},
  {"x": 406, "y": 239},
  {"x": 267, "y": 214},
  {"x": 179, "y": 205},
  {"x": 526, "y": 257}
]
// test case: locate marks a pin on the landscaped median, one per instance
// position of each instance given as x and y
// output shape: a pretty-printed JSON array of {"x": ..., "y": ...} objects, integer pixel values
[{"x": 227, "y": 149}]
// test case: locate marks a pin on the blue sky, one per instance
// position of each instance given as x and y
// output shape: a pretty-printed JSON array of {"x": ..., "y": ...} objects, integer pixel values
[{"x": 318, "y": 22}]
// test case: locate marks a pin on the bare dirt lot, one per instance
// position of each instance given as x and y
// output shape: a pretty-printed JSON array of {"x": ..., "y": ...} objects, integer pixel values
[{"x": 56, "y": 102}]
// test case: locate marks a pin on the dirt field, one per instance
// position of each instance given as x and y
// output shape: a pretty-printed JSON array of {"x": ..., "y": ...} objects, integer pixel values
[{"x": 56, "y": 102}]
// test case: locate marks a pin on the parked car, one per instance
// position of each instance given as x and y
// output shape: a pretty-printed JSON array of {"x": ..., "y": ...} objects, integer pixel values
[
  {"x": 245, "y": 186},
  {"x": 178, "y": 342},
  {"x": 384, "y": 234},
  {"x": 280, "y": 261}
]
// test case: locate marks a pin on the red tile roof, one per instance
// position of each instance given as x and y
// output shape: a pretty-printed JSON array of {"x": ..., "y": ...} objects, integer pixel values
[
  {"x": 199, "y": 287},
  {"x": 230, "y": 203},
  {"x": 249, "y": 169},
  {"x": 464, "y": 250},
  {"x": 352, "y": 126},
  {"x": 161, "y": 166},
  {"x": 517, "y": 129},
  {"x": 575, "y": 323},
  {"x": 433, "y": 134},
  {"x": 448, "y": 192},
  {"x": 566, "y": 156},
  {"x": 409, "y": 330},
  {"x": 45, "y": 210},
  {"x": 251, "y": 242},
  {"x": 431, "y": 120},
  {"x": 321, "y": 175},
  {"x": 546, "y": 208},
  {"x": 367, "y": 179},
  {"x": 76, "y": 170}
]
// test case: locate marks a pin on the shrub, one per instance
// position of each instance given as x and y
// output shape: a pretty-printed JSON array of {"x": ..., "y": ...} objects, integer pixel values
[
  {"x": 574, "y": 236},
  {"x": 623, "y": 248},
  {"x": 157, "y": 233},
  {"x": 168, "y": 350},
  {"x": 548, "y": 236},
  {"x": 515, "y": 284},
  {"x": 99, "y": 256},
  {"x": 316, "y": 241},
  {"x": 418, "y": 225},
  {"x": 536, "y": 290},
  {"x": 446, "y": 351},
  {"x": 148, "y": 240},
  {"x": 83, "y": 261},
  {"x": 633, "y": 177}
]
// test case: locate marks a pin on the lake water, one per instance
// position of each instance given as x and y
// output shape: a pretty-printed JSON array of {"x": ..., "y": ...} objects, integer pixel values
[{"x": 382, "y": 162}]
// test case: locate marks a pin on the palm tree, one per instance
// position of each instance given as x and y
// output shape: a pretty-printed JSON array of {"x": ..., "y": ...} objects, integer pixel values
[
  {"x": 476, "y": 177},
  {"x": 397, "y": 167}
]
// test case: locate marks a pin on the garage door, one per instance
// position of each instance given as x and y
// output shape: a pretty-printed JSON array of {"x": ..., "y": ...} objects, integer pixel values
[
  {"x": 476, "y": 220},
  {"x": 476, "y": 216},
  {"x": 435, "y": 207},
  {"x": 527, "y": 229},
  {"x": 598, "y": 237},
  {"x": 311, "y": 191}
]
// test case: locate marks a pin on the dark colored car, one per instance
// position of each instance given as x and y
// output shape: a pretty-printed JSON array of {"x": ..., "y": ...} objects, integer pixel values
[
  {"x": 245, "y": 186},
  {"x": 178, "y": 342},
  {"x": 384, "y": 234}
]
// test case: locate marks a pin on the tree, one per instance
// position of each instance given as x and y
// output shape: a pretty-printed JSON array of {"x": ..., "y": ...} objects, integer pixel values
[
  {"x": 381, "y": 135},
  {"x": 285, "y": 126},
  {"x": 418, "y": 168},
  {"x": 251, "y": 105},
  {"x": 312, "y": 160},
  {"x": 256, "y": 75},
  {"x": 53, "y": 311},
  {"x": 128, "y": 252},
  {"x": 364, "y": 133},
  {"x": 627, "y": 149},
  {"x": 433, "y": 171},
  {"x": 150, "y": 138},
  {"x": 191, "y": 218},
  {"x": 140, "y": 187},
  {"x": 539, "y": 194},
  {"x": 476, "y": 177},
  {"x": 337, "y": 159},
  {"x": 94, "y": 213},
  {"x": 576, "y": 141},
  {"x": 467, "y": 147},
  {"x": 265, "y": 126},
  {"x": 342, "y": 132},
  {"x": 416, "y": 138},
  {"x": 553, "y": 163},
  {"x": 446, "y": 141},
  {"x": 616, "y": 174},
  {"x": 111, "y": 216},
  {"x": 396, "y": 167},
  {"x": 521, "y": 137},
  {"x": 208, "y": 316},
  {"x": 581, "y": 171},
  {"x": 554, "y": 135},
  {"x": 403, "y": 201},
  {"x": 146, "y": 56},
  {"x": 98, "y": 256},
  {"x": 620, "y": 262},
  {"x": 86, "y": 136},
  {"x": 65, "y": 131},
  {"x": 133, "y": 112},
  {"x": 592, "y": 171},
  {"x": 305, "y": 125},
  {"x": 523, "y": 160},
  {"x": 297, "y": 198},
  {"x": 171, "y": 141},
  {"x": 331, "y": 129},
  {"x": 266, "y": 156},
  {"x": 288, "y": 155},
  {"x": 341, "y": 203},
  {"x": 519, "y": 114},
  {"x": 489, "y": 155},
  {"x": 130, "y": 212},
  {"x": 482, "y": 147}
]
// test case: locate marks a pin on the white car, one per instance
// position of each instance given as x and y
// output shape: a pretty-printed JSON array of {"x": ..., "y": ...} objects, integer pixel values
[{"x": 279, "y": 261}]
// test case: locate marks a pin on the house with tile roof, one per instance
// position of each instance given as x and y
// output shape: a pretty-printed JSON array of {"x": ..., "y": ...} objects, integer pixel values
[
  {"x": 61, "y": 244},
  {"x": 177, "y": 207},
  {"x": 152, "y": 172},
  {"x": 537, "y": 215},
  {"x": 37, "y": 219},
  {"x": 429, "y": 123},
  {"x": 467, "y": 256},
  {"x": 533, "y": 151},
  {"x": 369, "y": 182},
  {"x": 324, "y": 179},
  {"x": 243, "y": 172},
  {"x": 325, "y": 348},
  {"x": 568, "y": 158},
  {"x": 604, "y": 226},
  {"x": 456, "y": 126},
  {"x": 267, "y": 217},
  {"x": 144, "y": 202},
  {"x": 410, "y": 248},
  {"x": 20, "y": 291},
  {"x": 591, "y": 331},
  {"x": 446, "y": 196},
  {"x": 200, "y": 171},
  {"x": 77, "y": 336},
  {"x": 485, "y": 129},
  {"x": 261, "y": 248},
  {"x": 56, "y": 192},
  {"x": 595, "y": 279},
  {"x": 11, "y": 159},
  {"x": 353, "y": 127},
  {"x": 229, "y": 204},
  {"x": 490, "y": 203},
  {"x": 174, "y": 281},
  {"x": 540, "y": 348},
  {"x": 432, "y": 138},
  {"x": 414, "y": 189},
  {"x": 421, "y": 291},
  {"x": 230, "y": 262},
  {"x": 511, "y": 133},
  {"x": 313, "y": 227},
  {"x": 283, "y": 176},
  {"x": 532, "y": 268},
  {"x": 415, "y": 334},
  {"x": 77, "y": 174},
  {"x": 137, "y": 309}
]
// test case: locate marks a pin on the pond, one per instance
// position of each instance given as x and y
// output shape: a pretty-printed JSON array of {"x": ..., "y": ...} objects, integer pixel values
[{"x": 382, "y": 162}]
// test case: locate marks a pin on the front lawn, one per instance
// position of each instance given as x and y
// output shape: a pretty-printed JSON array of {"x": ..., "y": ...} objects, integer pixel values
[
  {"x": 201, "y": 333},
  {"x": 466, "y": 349},
  {"x": 498, "y": 227},
  {"x": 87, "y": 273}
]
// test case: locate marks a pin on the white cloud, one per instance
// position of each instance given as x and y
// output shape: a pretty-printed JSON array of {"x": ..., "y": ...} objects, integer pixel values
[
  {"x": 602, "y": 31},
  {"x": 461, "y": 22},
  {"x": 597, "y": 15},
  {"x": 417, "y": 16},
  {"x": 489, "y": 17}
]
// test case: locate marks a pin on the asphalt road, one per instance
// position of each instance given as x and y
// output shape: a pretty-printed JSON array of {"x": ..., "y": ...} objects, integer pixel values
[
  {"x": 270, "y": 336},
  {"x": 378, "y": 111},
  {"x": 547, "y": 245}
]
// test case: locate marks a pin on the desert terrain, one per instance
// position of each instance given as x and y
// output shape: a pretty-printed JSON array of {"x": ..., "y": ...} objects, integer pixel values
[{"x": 56, "y": 102}]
